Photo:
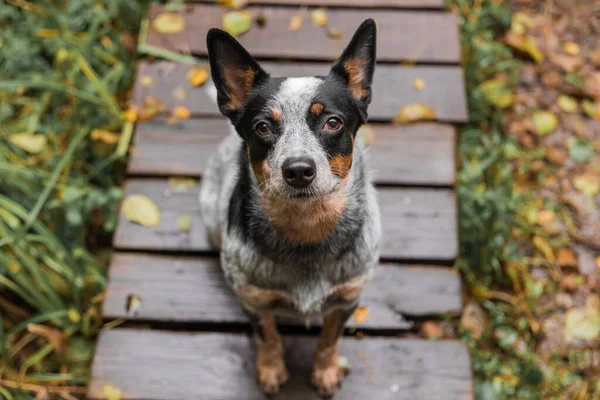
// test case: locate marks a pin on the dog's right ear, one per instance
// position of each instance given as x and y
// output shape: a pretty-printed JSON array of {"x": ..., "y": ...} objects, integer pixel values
[{"x": 234, "y": 71}]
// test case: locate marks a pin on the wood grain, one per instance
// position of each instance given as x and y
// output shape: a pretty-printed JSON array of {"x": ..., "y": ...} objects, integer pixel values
[
  {"x": 429, "y": 4},
  {"x": 393, "y": 88},
  {"x": 401, "y": 35},
  {"x": 157, "y": 365},
  {"x": 421, "y": 154},
  {"x": 193, "y": 290},
  {"x": 418, "y": 224}
]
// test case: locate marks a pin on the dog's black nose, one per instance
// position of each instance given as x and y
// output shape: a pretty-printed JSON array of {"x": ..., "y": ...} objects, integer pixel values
[{"x": 299, "y": 172}]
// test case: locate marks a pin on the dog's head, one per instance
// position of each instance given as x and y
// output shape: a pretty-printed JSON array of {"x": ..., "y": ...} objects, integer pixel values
[{"x": 299, "y": 132}]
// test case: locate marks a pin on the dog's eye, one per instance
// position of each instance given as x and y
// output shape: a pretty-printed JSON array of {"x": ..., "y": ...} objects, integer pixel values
[
  {"x": 333, "y": 124},
  {"x": 262, "y": 129}
]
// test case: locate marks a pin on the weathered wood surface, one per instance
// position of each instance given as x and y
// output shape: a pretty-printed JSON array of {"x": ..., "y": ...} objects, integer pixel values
[
  {"x": 401, "y": 35},
  {"x": 393, "y": 88},
  {"x": 421, "y": 154},
  {"x": 159, "y": 365},
  {"x": 418, "y": 224},
  {"x": 429, "y": 4},
  {"x": 193, "y": 290}
]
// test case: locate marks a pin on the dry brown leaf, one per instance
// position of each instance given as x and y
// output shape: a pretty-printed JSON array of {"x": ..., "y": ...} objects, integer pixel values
[
  {"x": 181, "y": 112},
  {"x": 141, "y": 209},
  {"x": 197, "y": 76},
  {"x": 111, "y": 393},
  {"x": 361, "y": 314},
  {"x": 237, "y": 22},
  {"x": 319, "y": 17},
  {"x": 566, "y": 258},
  {"x": 334, "y": 33},
  {"x": 419, "y": 84},
  {"x": 57, "y": 339},
  {"x": 543, "y": 247},
  {"x": 432, "y": 330},
  {"x": 415, "y": 112},
  {"x": 296, "y": 21},
  {"x": 261, "y": 20},
  {"x": 168, "y": 23},
  {"x": 567, "y": 63},
  {"x": 33, "y": 144},
  {"x": 598, "y": 261},
  {"x": 473, "y": 319},
  {"x": 545, "y": 217},
  {"x": 147, "y": 80}
]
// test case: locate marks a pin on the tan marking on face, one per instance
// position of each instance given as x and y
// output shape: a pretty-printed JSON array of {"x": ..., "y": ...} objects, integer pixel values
[
  {"x": 317, "y": 108},
  {"x": 270, "y": 365},
  {"x": 348, "y": 291},
  {"x": 261, "y": 168},
  {"x": 318, "y": 220},
  {"x": 340, "y": 165},
  {"x": 355, "y": 67},
  {"x": 275, "y": 114},
  {"x": 239, "y": 84},
  {"x": 256, "y": 298},
  {"x": 326, "y": 373}
]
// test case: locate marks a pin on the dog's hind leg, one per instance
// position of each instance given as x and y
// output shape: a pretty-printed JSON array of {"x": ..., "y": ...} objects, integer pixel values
[
  {"x": 326, "y": 373},
  {"x": 270, "y": 365}
]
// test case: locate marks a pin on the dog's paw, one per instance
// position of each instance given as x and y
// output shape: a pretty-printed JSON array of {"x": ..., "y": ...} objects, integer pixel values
[
  {"x": 271, "y": 377},
  {"x": 327, "y": 380}
]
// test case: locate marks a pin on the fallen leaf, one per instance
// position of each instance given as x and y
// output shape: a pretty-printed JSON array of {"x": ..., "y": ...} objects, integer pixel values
[
  {"x": 473, "y": 319},
  {"x": 361, "y": 314},
  {"x": 177, "y": 184},
  {"x": 334, "y": 33},
  {"x": 296, "y": 21},
  {"x": 545, "y": 217},
  {"x": 261, "y": 20},
  {"x": 583, "y": 322},
  {"x": 591, "y": 109},
  {"x": 366, "y": 134},
  {"x": 525, "y": 44},
  {"x": 111, "y": 393},
  {"x": 580, "y": 150},
  {"x": 131, "y": 114},
  {"x": 104, "y": 142},
  {"x": 57, "y": 338},
  {"x": 134, "y": 305},
  {"x": 419, "y": 83},
  {"x": 432, "y": 330},
  {"x": 147, "y": 80},
  {"x": 598, "y": 261},
  {"x": 545, "y": 122},
  {"x": 33, "y": 144},
  {"x": 235, "y": 4},
  {"x": 181, "y": 112},
  {"x": 184, "y": 223},
  {"x": 197, "y": 76},
  {"x": 543, "y": 247},
  {"x": 151, "y": 106},
  {"x": 141, "y": 209},
  {"x": 566, "y": 258},
  {"x": 588, "y": 185},
  {"x": 415, "y": 112},
  {"x": 168, "y": 23},
  {"x": 567, "y": 103},
  {"x": 319, "y": 17},
  {"x": 179, "y": 93},
  {"x": 567, "y": 63},
  {"x": 237, "y": 22},
  {"x": 497, "y": 92},
  {"x": 73, "y": 315},
  {"x": 571, "y": 48}
]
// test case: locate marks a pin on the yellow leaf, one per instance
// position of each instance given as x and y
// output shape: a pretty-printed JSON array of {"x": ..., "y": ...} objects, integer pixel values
[
  {"x": 583, "y": 322},
  {"x": 131, "y": 114},
  {"x": 361, "y": 314},
  {"x": 334, "y": 33},
  {"x": 544, "y": 248},
  {"x": 588, "y": 185},
  {"x": 103, "y": 142},
  {"x": 111, "y": 393},
  {"x": 598, "y": 261},
  {"x": 147, "y": 80},
  {"x": 366, "y": 134},
  {"x": 197, "y": 76},
  {"x": 415, "y": 112},
  {"x": 237, "y": 22},
  {"x": 545, "y": 122},
  {"x": 545, "y": 217},
  {"x": 530, "y": 45},
  {"x": 419, "y": 84},
  {"x": 567, "y": 103},
  {"x": 151, "y": 106},
  {"x": 33, "y": 144},
  {"x": 571, "y": 48},
  {"x": 181, "y": 184},
  {"x": 74, "y": 315},
  {"x": 319, "y": 17},
  {"x": 497, "y": 92},
  {"x": 184, "y": 223},
  {"x": 235, "y": 4},
  {"x": 181, "y": 112},
  {"x": 296, "y": 22},
  {"x": 591, "y": 109},
  {"x": 566, "y": 258},
  {"x": 168, "y": 23},
  {"x": 141, "y": 209},
  {"x": 14, "y": 267}
]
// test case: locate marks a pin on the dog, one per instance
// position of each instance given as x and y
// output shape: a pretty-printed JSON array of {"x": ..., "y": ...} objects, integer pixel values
[{"x": 288, "y": 199}]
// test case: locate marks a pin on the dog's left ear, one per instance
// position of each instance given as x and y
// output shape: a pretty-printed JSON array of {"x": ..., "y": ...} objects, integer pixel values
[{"x": 356, "y": 65}]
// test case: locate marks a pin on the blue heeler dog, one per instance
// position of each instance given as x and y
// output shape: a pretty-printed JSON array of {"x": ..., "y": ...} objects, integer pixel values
[{"x": 288, "y": 200}]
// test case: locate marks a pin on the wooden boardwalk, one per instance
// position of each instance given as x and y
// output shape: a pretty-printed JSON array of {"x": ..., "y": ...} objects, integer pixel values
[{"x": 189, "y": 337}]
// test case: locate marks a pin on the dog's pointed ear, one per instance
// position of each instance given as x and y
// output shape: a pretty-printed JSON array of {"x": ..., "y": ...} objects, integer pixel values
[
  {"x": 234, "y": 71},
  {"x": 356, "y": 65}
]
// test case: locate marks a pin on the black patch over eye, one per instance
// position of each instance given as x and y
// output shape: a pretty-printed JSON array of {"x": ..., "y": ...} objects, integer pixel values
[
  {"x": 262, "y": 129},
  {"x": 333, "y": 124}
]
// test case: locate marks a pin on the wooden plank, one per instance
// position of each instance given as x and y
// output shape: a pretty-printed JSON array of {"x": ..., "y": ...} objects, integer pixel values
[
  {"x": 418, "y": 224},
  {"x": 193, "y": 290},
  {"x": 419, "y": 4},
  {"x": 401, "y": 35},
  {"x": 156, "y": 365},
  {"x": 421, "y": 154},
  {"x": 393, "y": 88}
]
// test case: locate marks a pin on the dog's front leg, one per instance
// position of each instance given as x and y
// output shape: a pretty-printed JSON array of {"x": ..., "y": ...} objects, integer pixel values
[
  {"x": 270, "y": 365},
  {"x": 326, "y": 374}
]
